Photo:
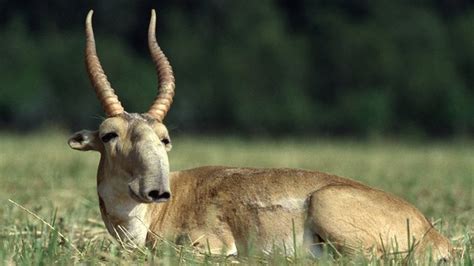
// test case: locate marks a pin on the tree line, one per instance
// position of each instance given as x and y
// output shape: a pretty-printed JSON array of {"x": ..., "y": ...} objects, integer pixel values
[{"x": 358, "y": 68}]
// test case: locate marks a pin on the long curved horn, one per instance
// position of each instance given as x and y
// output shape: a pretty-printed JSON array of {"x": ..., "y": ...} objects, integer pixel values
[
  {"x": 163, "y": 100},
  {"x": 106, "y": 94}
]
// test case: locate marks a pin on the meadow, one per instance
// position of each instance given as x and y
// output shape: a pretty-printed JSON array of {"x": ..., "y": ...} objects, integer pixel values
[{"x": 41, "y": 178}]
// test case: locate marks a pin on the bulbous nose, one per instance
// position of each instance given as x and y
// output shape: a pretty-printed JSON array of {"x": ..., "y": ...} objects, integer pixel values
[{"x": 156, "y": 195}]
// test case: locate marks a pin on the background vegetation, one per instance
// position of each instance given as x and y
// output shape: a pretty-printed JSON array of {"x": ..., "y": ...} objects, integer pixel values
[{"x": 318, "y": 67}]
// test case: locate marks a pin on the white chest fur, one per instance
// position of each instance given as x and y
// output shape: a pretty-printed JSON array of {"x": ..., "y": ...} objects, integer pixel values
[{"x": 123, "y": 216}]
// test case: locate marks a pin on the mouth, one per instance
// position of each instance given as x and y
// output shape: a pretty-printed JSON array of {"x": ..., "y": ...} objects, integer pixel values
[
  {"x": 160, "y": 200},
  {"x": 136, "y": 197}
]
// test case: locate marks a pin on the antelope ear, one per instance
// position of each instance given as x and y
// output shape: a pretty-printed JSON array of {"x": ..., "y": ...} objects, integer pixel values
[{"x": 85, "y": 140}]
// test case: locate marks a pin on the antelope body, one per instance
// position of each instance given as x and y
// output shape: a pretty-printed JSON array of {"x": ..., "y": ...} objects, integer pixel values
[{"x": 228, "y": 208}]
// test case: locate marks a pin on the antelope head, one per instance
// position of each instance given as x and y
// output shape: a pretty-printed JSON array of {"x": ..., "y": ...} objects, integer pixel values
[{"x": 133, "y": 146}]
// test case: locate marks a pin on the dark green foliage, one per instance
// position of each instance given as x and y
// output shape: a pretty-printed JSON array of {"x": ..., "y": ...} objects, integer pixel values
[{"x": 358, "y": 68}]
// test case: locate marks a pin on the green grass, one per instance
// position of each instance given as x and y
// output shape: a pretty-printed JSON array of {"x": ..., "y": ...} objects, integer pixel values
[{"x": 42, "y": 174}]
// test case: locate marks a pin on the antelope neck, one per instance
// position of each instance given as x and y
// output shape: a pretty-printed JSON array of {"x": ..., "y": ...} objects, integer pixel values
[{"x": 125, "y": 218}]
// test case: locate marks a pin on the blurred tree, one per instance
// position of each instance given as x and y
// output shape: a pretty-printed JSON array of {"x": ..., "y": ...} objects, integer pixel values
[{"x": 302, "y": 67}]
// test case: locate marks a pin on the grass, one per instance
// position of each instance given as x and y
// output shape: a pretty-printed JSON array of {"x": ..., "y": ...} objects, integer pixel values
[{"x": 42, "y": 174}]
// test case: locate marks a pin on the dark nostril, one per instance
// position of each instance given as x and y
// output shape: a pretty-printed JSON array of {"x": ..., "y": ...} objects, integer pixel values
[
  {"x": 165, "y": 195},
  {"x": 155, "y": 195}
]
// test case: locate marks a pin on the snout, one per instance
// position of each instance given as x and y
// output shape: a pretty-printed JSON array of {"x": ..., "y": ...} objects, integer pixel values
[{"x": 148, "y": 190}]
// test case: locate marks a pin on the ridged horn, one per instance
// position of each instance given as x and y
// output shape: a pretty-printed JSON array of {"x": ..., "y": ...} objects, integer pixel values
[
  {"x": 106, "y": 94},
  {"x": 166, "y": 81}
]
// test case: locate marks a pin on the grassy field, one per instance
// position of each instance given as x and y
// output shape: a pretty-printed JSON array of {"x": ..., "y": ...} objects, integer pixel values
[{"x": 40, "y": 173}]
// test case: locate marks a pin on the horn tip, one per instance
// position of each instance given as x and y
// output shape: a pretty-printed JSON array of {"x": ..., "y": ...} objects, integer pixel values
[
  {"x": 89, "y": 16},
  {"x": 151, "y": 27}
]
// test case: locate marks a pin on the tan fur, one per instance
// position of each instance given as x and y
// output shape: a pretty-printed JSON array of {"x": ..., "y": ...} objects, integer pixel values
[
  {"x": 237, "y": 205},
  {"x": 228, "y": 208}
]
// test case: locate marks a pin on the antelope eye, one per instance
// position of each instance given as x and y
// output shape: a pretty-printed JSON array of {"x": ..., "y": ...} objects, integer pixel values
[
  {"x": 107, "y": 137},
  {"x": 165, "y": 141}
]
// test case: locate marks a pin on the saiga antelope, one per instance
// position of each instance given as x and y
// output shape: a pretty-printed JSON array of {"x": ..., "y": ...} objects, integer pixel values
[{"x": 223, "y": 208}]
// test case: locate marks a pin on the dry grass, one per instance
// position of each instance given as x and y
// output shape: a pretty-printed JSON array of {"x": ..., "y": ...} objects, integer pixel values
[{"x": 48, "y": 179}]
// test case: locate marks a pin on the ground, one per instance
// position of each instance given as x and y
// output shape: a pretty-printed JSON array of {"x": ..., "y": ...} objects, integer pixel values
[{"x": 41, "y": 174}]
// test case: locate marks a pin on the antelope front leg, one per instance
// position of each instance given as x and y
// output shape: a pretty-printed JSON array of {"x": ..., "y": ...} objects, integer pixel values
[{"x": 214, "y": 244}]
